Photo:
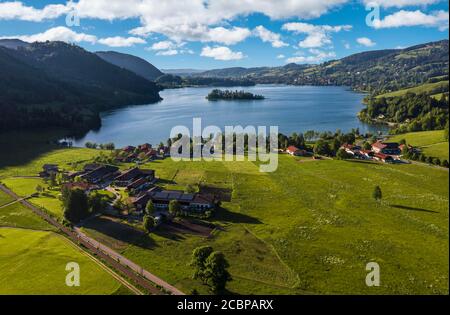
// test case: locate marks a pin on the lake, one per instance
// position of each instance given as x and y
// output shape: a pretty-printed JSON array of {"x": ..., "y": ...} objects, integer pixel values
[{"x": 292, "y": 108}]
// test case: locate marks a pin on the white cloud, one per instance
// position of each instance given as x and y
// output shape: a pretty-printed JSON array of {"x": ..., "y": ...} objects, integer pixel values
[
  {"x": 268, "y": 36},
  {"x": 16, "y": 10},
  {"x": 227, "y": 36},
  {"x": 170, "y": 52},
  {"x": 401, "y": 18},
  {"x": 317, "y": 35},
  {"x": 121, "y": 41},
  {"x": 365, "y": 42},
  {"x": 281, "y": 56},
  {"x": 401, "y": 3},
  {"x": 316, "y": 56},
  {"x": 164, "y": 45},
  {"x": 59, "y": 33},
  {"x": 179, "y": 20},
  {"x": 221, "y": 53}
]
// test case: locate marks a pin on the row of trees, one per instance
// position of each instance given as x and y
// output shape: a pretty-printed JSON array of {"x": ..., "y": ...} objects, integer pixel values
[{"x": 105, "y": 146}]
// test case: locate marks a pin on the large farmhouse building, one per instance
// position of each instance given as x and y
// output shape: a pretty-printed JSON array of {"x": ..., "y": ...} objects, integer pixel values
[
  {"x": 386, "y": 148},
  {"x": 161, "y": 198}
]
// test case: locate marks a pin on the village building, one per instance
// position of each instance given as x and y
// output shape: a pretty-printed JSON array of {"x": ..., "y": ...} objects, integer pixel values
[
  {"x": 129, "y": 149},
  {"x": 383, "y": 158},
  {"x": 386, "y": 148},
  {"x": 294, "y": 151},
  {"x": 127, "y": 178},
  {"x": 352, "y": 149},
  {"x": 48, "y": 170},
  {"x": 86, "y": 187},
  {"x": 161, "y": 199},
  {"x": 101, "y": 173}
]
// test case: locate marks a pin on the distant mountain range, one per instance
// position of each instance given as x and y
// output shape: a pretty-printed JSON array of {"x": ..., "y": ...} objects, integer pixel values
[
  {"x": 377, "y": 72},
  {"x": 58, "y": 84}
]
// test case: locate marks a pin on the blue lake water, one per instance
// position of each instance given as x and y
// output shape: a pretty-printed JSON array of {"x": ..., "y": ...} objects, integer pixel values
[{"x": 291, "y": 108}]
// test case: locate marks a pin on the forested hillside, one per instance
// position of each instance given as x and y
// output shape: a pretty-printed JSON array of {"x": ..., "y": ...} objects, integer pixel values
[{"x": 57, "y": 84}]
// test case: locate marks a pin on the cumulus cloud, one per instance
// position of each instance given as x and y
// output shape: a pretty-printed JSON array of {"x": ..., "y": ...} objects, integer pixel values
[
  {"x": 365, "y": 41},
  {"x": 315, "y": 56},
  {"x": 401, "y": 18},
  {"x": 179, "y": 20},
  {"x": 281, "y": 56},
  {"x": 267, "y": 36},
  {"x": 169, "y": 52},
  {"x": 59, "y": 33},
  {"x": 221, "y": 53},
  {"x": 400, "y": 3},
  {"x": 64, "y": 34},
  {"x": 316, "y": 35},
  {"x": 16, "y": 10},
  {"x": 118, "y": 41}
]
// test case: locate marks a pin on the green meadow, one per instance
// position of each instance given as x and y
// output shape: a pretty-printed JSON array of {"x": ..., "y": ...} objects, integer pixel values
[
  {"x": 308, "y": 228},
  {"x": 34, "y": 262},
  {"x": 33, "y": 257},
  {"x": 424, "y": 88},
  {"x": 432, "y": 143}
]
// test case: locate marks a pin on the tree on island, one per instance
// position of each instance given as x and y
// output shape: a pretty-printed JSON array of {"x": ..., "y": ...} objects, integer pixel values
[{"x": 232, "y": 95}]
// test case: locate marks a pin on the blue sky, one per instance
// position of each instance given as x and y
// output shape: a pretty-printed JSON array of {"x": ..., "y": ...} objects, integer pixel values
[{"x": 206, "y": 34}]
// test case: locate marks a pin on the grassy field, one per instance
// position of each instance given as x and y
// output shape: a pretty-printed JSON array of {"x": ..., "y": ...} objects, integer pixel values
[
  {"x": 424, "y": 88},
  {"x": 312, "y": 228},
  {"x": 34, "y": 262},
  {"x": 307, "y": 228},
  {"x": 432, "y": 143}
]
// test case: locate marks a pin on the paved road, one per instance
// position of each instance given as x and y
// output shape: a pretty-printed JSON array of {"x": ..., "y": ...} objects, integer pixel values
[{"x": 117, "y": 261}]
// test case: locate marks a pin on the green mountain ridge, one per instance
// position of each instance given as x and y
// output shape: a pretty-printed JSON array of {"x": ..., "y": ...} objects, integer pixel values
[
  {"x": 53, "y": 83},
  {"x": 132, "y": 63},
  {"x": 380, "y": 71}
]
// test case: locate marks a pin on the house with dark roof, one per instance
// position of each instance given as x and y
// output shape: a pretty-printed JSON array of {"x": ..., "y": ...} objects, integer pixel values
[
  {"x": 101, "y": 173},
  {"x": 49, "y": 169},
  {"x": 196, "y": 202},
  {"x": 390, "y": 148},
  {"x": 127, "y": 177}
]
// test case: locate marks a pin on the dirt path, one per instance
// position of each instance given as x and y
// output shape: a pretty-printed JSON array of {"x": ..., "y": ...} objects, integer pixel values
[{"x": 126, "y": 267}]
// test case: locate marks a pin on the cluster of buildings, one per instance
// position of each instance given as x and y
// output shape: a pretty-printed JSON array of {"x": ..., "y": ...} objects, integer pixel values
[
  {"x": 143, "y": 152},
  {"x": 386, "y": 152},
  {"x": 195, "y": 202}
]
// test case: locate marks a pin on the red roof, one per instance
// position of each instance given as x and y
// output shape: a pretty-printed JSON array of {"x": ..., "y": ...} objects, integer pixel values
[
  {"x": 292, "y": 149},
  {"x": 379, "y": 145}
]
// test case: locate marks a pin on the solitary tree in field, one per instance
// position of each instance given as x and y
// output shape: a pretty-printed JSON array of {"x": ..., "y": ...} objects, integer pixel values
[
  {"x": 216, "y": 272},
  {"x": 39, "y": 189},
  {"x": 198, "y": 260},
  {"x": 377, "y": 194}
]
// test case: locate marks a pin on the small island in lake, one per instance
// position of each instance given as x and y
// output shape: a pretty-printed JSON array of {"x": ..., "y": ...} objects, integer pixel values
[{"x": 216, "y": 95}]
